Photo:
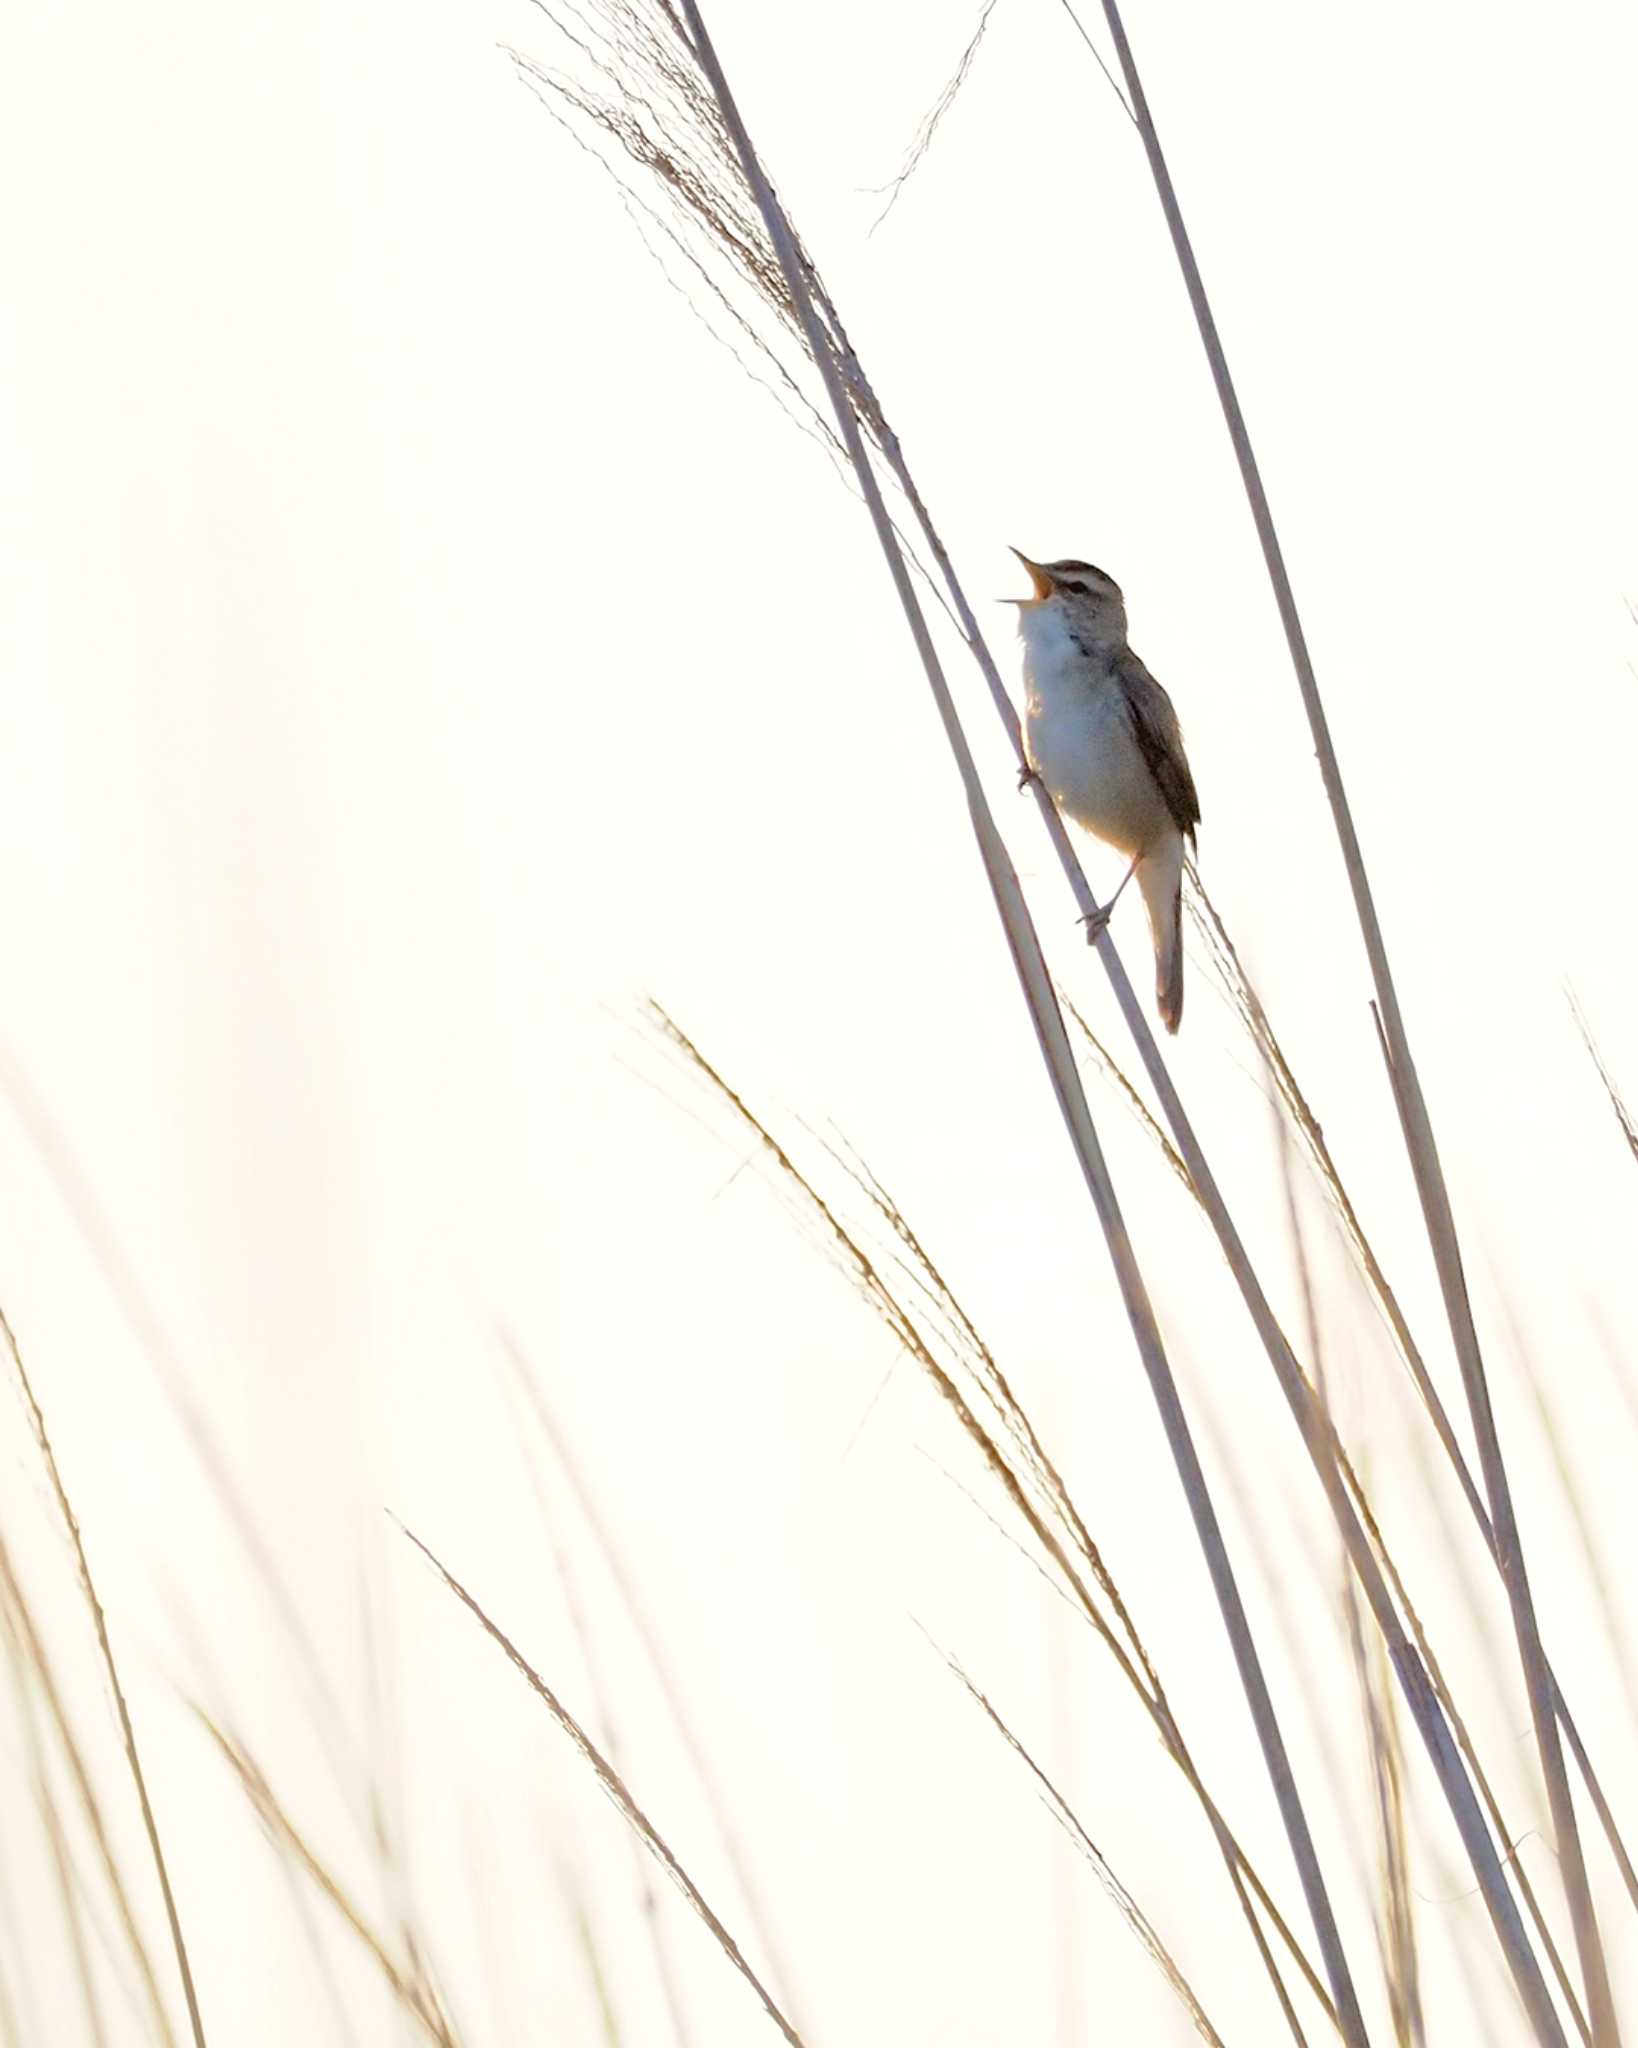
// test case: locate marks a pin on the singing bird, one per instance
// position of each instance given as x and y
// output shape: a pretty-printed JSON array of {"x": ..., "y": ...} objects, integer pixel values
[{"x": 1101, "y": 733}]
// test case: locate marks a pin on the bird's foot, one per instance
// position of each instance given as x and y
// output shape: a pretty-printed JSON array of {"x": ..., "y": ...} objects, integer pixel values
[
  {"x": 1027, "y": 775},
  {"x": 1096, "y": 923}
]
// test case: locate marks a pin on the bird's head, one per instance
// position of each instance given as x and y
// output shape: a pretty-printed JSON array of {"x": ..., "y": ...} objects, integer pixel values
[{"x": 1086, "y": 600}]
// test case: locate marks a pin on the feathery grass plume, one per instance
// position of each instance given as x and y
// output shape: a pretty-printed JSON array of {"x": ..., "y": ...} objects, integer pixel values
[
  {"x": 403, "y": 1978},
  {"x": 635, "y": 107},
  {"x": 1427, "y": 1170},
  {"x": 934, "y": 115},
  {"x": 682, "y": 1718},
  {"x": 613, "y": 1785},
  {"x": 1028, "y": 1478},
  {"x": 1134, "y": 1916},
  {"x": 941, "y": 106},
  {"x": 99, "y": 1623},
  {"x": 630, "y": 93}
]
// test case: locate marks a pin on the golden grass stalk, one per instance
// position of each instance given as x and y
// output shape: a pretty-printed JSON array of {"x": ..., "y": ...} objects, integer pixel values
[
  {"x": 608, "y": 1726},
  {"x": 34, "y": 1656},
  {"x": 1134, "y": 1916},
  {"x": 20, "y": 1663},
  {"x": 407, "y": 1981},
  {"x": 1028, "y": 1478},
  {"x": 99, "y": 1622},
  {"x": 614, "y": 1786},
  {"x": 74, "y": 1187}
]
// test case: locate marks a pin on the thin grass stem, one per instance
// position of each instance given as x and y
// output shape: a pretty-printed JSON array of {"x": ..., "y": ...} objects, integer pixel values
[
  {"x": 1124, "y": 1903},
  {"x": 1426, "y": 1168},
  {"x": 99, "y": 1622},
  {"x": 682, "y": 1717},
  {"x": 407, "y": 1985},
  {"x": 1040, "y": 1492},
  {"x": 16, "y": 1600},
  {"x": 608, "y": 1726},
  {"x": 1037, "y": 988},
  {"x": 615, "y": 1787},
  {"x": 1243, "y": 994}
]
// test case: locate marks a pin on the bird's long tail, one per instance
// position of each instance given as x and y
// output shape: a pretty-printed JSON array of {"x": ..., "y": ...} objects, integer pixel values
[{"x": 1160, "y": 877}]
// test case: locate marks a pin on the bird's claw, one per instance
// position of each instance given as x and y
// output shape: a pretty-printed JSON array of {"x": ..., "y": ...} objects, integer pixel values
[
  {"x": 1027, "y": 775},
  {"x": 1096, "y": 923}
]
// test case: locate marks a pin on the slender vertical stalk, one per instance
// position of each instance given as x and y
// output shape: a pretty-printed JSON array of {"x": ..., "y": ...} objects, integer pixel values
[
  {"x": 1420, "y": 1695},
  {"x": 1055, "y": 1049},
  {"x": 614, "y": 1785},
  {"x": 1431, "y": 1189},
  {"x": 665, "y": 1968}
]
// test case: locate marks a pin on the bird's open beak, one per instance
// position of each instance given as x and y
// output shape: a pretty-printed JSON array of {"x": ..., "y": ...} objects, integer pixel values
[{"x": 1037, "y": 576}]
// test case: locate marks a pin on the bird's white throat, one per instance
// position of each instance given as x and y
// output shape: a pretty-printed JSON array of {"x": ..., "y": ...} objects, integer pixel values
[{"x": 1057, "y": 650}]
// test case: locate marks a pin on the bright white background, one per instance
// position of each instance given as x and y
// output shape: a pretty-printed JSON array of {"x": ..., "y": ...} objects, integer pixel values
[{"x": 420, "y": 641}]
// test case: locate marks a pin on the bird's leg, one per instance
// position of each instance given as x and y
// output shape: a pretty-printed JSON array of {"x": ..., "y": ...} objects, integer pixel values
[
  {"x": 1026, "y": 775},
  {"x": 1096, "y": 921}
]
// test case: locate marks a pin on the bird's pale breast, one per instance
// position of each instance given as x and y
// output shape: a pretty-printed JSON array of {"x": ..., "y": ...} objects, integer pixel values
[{"x": 1078, "y": 735}]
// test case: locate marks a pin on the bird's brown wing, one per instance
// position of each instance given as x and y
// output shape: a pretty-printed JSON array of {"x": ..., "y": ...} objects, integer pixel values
[{"x": 1160, "y": 740}]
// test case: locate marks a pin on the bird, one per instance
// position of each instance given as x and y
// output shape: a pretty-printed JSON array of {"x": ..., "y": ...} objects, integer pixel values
[{"x": 1102, "y": 735}]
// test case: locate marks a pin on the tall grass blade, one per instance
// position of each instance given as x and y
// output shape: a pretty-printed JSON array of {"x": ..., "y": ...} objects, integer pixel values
[
  {"x": 1028, "y": 1478},
  {"x": 1124, "y": 1903},
  {"x": 1247, "y": 1002},
  {"x": 406, "y": 1981},
  {"x": 615, "y": 1787},
  {"x": 99, "y": 1622},
  {"x": 21, "y": 1618},
  {"x": 608, "y": 1726},
  {"x": 1426, "y": 1168}
]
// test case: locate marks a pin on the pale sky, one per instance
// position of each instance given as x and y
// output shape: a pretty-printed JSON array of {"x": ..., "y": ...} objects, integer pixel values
[{"x": 423, "y": 642}]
